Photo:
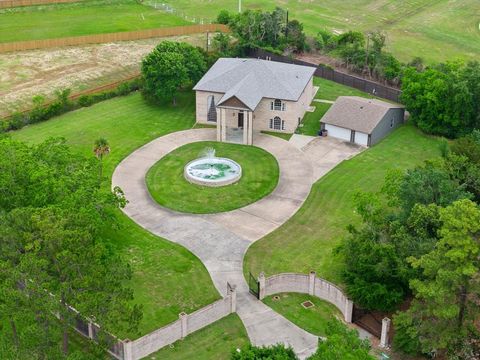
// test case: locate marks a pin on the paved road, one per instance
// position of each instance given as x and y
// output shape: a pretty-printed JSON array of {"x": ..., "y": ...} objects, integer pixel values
[{"x": 220, "y": 241}]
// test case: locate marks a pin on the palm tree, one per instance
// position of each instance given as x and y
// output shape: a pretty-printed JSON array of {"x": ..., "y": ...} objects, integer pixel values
[{"x": 100, "y": 149}]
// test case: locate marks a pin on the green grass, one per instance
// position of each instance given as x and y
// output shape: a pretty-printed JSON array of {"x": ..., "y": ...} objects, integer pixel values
[
  {"x": 313, "y": 319},
  {"x": 214, "y": 342},
  {"x": 168, "y": 186},
  {"x": 167, "y": 279},
  {"x": 311, "y": 120},
  {"x": 82, "y": 18},
  {"x": 433, "y": 29},
  {"x": 305, "y": 242},
  {"x": 283, "y": 136}
]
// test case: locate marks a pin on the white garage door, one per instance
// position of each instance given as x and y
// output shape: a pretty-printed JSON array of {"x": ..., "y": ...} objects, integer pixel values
[
  {"x": 361, "y": 138},
  {"x": 338, "y": 132}
]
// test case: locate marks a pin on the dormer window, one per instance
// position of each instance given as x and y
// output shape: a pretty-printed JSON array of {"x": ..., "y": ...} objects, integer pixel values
[{"x": 277, "y": 105}]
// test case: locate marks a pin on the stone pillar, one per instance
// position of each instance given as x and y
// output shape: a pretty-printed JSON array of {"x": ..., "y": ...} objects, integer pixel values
[
  {"x": 127, "y": 350},
  {"x": 246, "y": 126},
  {"x": 348, "y": 310},
  {"x": 261, "y": 286},
  {"x": 250, "y": 130},
  {"x": 219, "y": 124},
  {"x": 90, "y": 330},
  {"x": 224, "y": 126},
  {"x": 232, "y": 291},
  {"x": 183, "y": 322},
  {"x": 384, "y": 340},
  {"x": 311, "y": 283}
]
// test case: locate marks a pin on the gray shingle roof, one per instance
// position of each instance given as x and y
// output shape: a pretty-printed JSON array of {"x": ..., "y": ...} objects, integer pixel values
[
  {"x": 357, "y": 113},
  {"x": 250, "y": 80}
]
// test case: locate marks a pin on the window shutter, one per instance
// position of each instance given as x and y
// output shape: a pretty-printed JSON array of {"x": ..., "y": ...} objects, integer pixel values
[
  {"x": 271, "y": 105},
  {"x": 283, "y": 125},
  {"x": 271, "y": 123}
]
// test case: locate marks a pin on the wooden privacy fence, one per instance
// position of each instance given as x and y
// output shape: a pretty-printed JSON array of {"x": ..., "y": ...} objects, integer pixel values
[
  {"x": 368, "y": 86},
  {"x": 17, "y": 3},
  {"x": 112, "y": 37}
]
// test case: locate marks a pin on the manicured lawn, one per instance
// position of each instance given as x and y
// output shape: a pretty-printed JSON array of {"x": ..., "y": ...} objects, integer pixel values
[
  {"x": 311, "y": 121},
  {"x": 82, "y": 18},
  {"x": 306, "y": 241},
  {"x": 433, "y": 29},
  {"x": 167, "y": 184},
  {"x": 313, "y": 319},
  {"x": 214, "y": 342},
  {"x": 283, "y": 136},
  {"x": 167, "y": 279},
  {"x": 329, "y": 90}
]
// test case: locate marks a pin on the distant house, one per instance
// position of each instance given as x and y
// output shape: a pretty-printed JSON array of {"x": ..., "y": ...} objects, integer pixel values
[
  {"x": 362, "y": 121},
  {"x": 243, "y": 95}
]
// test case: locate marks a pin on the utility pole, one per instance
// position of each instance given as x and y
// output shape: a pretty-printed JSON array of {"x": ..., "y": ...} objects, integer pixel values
[{"x": 239, "y": 6}]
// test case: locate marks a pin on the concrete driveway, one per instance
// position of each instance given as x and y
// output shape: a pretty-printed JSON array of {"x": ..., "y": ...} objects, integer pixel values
[{"x": 221, "y": 240}]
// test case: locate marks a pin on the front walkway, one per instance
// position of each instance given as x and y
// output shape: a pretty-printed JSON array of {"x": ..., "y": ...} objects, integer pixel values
[{"x": 221, "y": 240}]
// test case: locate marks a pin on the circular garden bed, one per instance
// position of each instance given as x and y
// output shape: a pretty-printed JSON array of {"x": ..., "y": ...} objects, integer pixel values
[{"x": 168, "y": 186}]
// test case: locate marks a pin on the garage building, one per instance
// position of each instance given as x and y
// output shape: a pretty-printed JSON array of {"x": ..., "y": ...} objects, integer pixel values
[{"x": 362, "y": 121}]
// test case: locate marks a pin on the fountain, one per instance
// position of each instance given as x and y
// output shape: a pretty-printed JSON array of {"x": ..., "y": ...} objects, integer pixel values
[{"x": 209, "y": 170}]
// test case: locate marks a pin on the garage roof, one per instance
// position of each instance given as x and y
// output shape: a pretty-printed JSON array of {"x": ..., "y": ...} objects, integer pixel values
[
  {"x": 357, "y": 113},
  {"x": 250, "y": 80}
]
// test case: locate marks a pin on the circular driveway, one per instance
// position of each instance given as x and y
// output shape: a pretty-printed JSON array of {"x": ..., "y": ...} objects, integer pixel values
[{"x": 221, "y": 240}]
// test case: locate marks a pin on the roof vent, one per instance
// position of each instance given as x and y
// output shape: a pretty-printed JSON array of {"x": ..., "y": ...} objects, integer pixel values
[{"x": 361, "y": 107}]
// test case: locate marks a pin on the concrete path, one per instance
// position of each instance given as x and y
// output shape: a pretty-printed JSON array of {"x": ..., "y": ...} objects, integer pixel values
[
  {"x": 324, "y": 101},
  {"x": 221, "y": 240}
]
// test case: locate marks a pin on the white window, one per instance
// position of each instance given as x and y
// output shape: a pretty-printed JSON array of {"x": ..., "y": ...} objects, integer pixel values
[
  {"x": 211, "y": 109},
  {"x": 277, "y": 104},
  {"x": 277, "y": 123}
]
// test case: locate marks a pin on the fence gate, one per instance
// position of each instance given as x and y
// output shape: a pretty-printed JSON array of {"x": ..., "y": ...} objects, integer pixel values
[
  {"x": 253, "y": 285},
  {"x": 367, "y": 320}
]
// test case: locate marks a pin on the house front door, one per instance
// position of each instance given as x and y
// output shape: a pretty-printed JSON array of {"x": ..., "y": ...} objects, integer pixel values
[{"x": 240, "y": 119}]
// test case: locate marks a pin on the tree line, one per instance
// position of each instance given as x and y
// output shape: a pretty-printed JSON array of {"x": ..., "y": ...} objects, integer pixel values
[
  {"x": 55, "y": 252},
  {"x": 419, "y": 243}
]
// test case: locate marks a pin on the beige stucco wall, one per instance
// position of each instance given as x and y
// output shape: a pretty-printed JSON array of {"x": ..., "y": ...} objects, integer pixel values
[
  {"x": 202, "y": 105},
  {"x": 294, "y": 110}
]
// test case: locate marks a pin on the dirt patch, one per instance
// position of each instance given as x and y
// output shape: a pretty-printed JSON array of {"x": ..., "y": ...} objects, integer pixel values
[{"x": 29, "y": 73}]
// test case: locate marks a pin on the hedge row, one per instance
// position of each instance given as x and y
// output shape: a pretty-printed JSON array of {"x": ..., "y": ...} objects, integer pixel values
[{"x": 62, "y": 104}]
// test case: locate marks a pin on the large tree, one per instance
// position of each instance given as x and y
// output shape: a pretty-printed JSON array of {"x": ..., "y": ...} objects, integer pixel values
[
  {"x": 447, "y": 295},
  {"x": 53, "y": 214},
  {"x": 170, "y": 67},
  {"x": 443, "y": 99}
]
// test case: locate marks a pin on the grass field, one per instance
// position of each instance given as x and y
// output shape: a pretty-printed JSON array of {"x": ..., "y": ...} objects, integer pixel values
[
  {"x": 305, "y": 242},
  {"x": 82, "y": 18},
  {"x": 433, "y": 29},
  {"x": 168, "y": 186},
  {"x": 313, "y": 319},
  {"x": 167, "y": 278},
  {"x": 214, "y": 342}
]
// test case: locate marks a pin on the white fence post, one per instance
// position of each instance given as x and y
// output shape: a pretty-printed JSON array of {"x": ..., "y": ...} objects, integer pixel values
[
  {"x": 384, "y": 340},
  {"x": 261, "y": 286},
  {"x": 348, "y": 310},
  {"x": 232, "y": 291},
  {"x": 183, "y": 322},
  {"x": 311, "y": 283},
  {"x": 127, "y": 350}
]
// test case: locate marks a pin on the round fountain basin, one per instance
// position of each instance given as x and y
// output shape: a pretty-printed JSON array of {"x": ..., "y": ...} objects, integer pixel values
[{"x": 212, "y": 171}]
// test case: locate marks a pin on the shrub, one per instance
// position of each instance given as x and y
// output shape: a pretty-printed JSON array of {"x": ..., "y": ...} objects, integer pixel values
[
  {"x": 275, "y": 352},
  {"x": 224, "y": 17},
  {"x": 62, "y": 104}
]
